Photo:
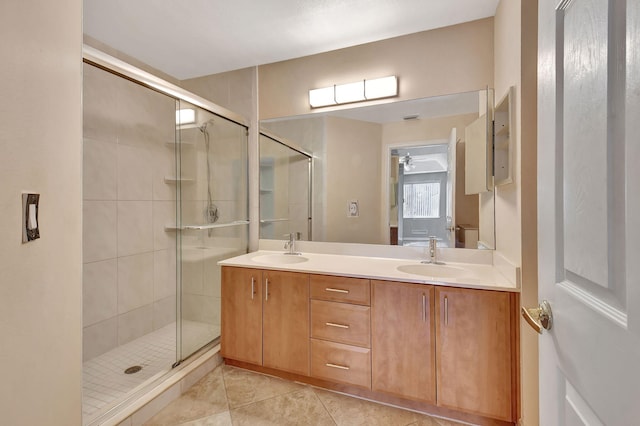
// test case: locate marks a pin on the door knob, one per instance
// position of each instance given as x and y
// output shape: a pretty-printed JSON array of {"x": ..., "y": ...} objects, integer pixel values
[{"x": 540, "y": 317}]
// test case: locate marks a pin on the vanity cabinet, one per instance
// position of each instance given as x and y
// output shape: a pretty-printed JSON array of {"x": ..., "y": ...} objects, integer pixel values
[
  {"x": 285, "y": 321},
  {"x": 474, "y": 351},
  {"x": 403, "y": 341},
  {"x": 341, "y": 330},
  {"x": 265, "y": 318},
  {"x": 241, "y": 335}
]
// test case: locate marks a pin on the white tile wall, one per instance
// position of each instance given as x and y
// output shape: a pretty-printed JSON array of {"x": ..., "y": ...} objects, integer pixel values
[
  {"x": 164, "y": 273},
  {"x": 196, "y": 307},
  {"x": 99, "y": 170},
  {"x": 135, "y": 174},
  {"x": 164, "y": 312},
  {"x": 130, "y": 266},
  {"x": 135, "y": 281},
  {"x": 100, "y": 295},
  {"x": 164, "y": 164},
  {"x": 135, "y": 223},
  {"x": 164, "y": 213},
  {"x": 135, "y": 324},
  {"x": 192, "y": 270},
  {"x": 99, "y": 230},
  {"x": 99, "y": 338},
  {"x": 100, "y": 104}
]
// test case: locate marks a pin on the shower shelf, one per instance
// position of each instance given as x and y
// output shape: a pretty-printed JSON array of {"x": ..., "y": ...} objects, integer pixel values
[
  {"x": 207, "y": 225},
  {"x": 174, "y": 179},
  {"x": 266, "y": 221}
]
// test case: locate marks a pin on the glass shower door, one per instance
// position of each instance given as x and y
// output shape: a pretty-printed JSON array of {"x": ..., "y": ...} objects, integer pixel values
[
  {"x": 212, "y": 218},
  {"x": 285, "y": 191}
]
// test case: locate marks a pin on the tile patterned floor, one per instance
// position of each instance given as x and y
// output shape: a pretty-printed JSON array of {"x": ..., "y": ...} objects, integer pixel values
[
  {"x": 232, "y": 396},
  {"x": 104, "y": 383}
]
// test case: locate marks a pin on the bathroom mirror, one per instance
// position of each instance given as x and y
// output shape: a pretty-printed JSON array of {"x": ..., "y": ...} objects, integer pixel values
[
  {"x": 367, "y": 160},
  {"x": 285, "y": 188}
]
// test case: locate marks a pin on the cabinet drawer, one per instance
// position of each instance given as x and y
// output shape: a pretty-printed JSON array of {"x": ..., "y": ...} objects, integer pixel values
[
  {"x": 341, "y": 363},
  {"x": 340, "y": 289},
  {"x": 341, "y": 322}
]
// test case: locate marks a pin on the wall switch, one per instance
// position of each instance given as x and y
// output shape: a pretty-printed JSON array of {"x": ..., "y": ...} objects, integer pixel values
[
  {"x": 353, "y": 210},
  {"x": 30, "y": 207}
]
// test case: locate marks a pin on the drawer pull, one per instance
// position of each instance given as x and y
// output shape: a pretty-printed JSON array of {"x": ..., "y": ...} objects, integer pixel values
[
  {"x": 337, "y": 290},
  {"x": 341, "y": 367},
  {"x": 446, "y": 310},
  {"x": 333, "y": 324}
]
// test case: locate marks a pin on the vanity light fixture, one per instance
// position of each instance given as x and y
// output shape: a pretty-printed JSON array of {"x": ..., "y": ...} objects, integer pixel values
[
  {"x": 185, "y": 116},
  {"x": 359, "y": 91}
]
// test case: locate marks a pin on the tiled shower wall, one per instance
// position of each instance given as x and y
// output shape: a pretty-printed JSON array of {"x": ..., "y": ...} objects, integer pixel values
[
  {"x": 202, "y": 249},
  {"x": 129, "y": 261}
]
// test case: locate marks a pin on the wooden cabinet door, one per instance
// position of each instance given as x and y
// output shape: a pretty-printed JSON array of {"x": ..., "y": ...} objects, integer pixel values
[
  {"x": 402, "y": 344},
  {"x": 286, "y": 321},
  {"x": 241, "y": 336},
  {"x": 474, "y": 353}
]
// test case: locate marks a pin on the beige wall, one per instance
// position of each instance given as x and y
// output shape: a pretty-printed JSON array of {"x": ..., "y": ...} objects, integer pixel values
[
  {"x": 353, "y": 154},
  {"x": 41, "y": 282},
  {"x": 231, "y": 90},
  {"x": 448, "y": 60},
  {"x": 515, "y": 65}
]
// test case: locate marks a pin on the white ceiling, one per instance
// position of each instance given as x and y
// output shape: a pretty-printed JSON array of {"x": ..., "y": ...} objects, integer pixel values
[{"x": 191, "y": 38}]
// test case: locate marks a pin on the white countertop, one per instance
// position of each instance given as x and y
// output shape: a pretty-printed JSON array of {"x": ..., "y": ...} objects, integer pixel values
[{"x": 478, "y": 276}]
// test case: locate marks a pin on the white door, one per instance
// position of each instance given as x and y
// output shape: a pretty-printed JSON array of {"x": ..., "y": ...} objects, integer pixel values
[
  {"x": 451, "y": 185},
  {"x": 589, "y": 211}
]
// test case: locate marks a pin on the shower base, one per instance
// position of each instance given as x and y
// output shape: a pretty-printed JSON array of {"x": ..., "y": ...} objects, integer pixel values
[{"x": 104, "y": 381}]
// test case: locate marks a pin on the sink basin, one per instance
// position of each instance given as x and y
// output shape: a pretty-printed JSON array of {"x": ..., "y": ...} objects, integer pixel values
[
  {"x": 437, "y": 271},
  {"x": 279, "y": 259}
]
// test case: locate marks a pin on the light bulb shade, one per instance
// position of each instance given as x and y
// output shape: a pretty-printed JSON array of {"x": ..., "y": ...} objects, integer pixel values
[
  {"x": 350, "y": 92},
  {"x": 363, "y": 90},
  {"x": 185, "y": 116},
  {"x": 381, "y": 87},
  {"x": 322, "y": 97}
]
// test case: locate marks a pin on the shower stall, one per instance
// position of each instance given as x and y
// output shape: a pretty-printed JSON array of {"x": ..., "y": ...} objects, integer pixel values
[{"x": 165, "y": 193}]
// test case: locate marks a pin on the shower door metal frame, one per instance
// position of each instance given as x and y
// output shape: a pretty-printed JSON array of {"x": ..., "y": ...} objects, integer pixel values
[
  {"x": 100, "y": 59},
  {"x": 295, "y": 147},
  {"x": 127, "y": 71}
]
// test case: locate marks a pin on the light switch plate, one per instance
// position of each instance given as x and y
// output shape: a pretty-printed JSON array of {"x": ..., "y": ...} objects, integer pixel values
[
  {"x": 353, "y": 209},
  {"x": 30, "y": 208}
]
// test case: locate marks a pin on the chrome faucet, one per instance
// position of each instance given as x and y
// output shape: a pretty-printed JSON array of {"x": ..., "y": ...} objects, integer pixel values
[
  {"x": 291, "y": 244},
  {"x": 433, "y": 252}
]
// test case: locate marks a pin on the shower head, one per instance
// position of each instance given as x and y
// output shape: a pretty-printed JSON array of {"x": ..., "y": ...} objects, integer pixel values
[{"x": 203, "y": 126}]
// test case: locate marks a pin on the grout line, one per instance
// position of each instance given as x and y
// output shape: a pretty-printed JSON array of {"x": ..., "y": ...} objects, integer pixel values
[{"x": 323, "y": 405}]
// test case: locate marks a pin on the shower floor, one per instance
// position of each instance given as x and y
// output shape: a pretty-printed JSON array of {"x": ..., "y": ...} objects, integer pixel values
[{"x": 104, "y": 382}]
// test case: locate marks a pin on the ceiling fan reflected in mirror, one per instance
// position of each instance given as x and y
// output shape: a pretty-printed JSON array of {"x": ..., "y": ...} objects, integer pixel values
[{"x": 407, "y": 160}]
